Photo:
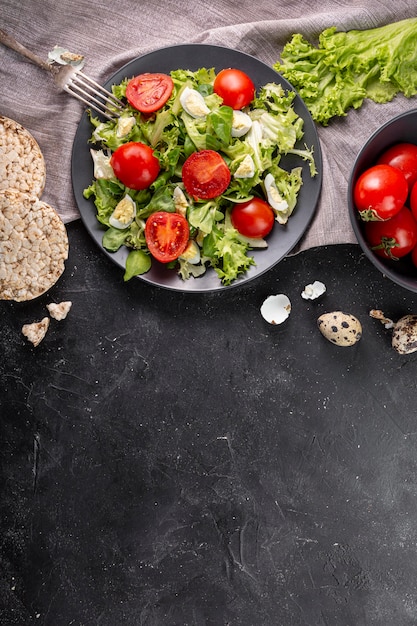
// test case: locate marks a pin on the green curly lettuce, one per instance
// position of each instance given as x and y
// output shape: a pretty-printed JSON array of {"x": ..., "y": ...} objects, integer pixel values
[{"x": 348, "y": 67}]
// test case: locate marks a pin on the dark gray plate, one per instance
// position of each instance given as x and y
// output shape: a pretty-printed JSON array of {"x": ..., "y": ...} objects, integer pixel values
[{"x": 282, "y": 239}]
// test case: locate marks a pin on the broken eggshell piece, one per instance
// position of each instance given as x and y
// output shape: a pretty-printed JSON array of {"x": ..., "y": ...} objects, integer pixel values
[
  {"x": 404, "y": 335},
  {"x": 313, "y": 291},
  {"x": 342, "y": 329},
  {"x": 276, "y": 309}
]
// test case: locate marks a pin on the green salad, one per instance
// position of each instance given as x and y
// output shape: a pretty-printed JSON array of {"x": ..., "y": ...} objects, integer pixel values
[{"x": 168, "y": 204}]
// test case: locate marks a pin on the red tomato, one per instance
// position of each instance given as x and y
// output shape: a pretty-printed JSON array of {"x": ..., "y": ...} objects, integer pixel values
[
  {"x": 380, "y": 192},
  {"x": 166, "y": 235},
  {"x": 393, "y": 238},
  {"x": 235, "y": 87},
  {"x": 149, "y": 92},
  {"x": 205, "y": 174},
  {"x": 135, "y": 165},
  {"x": 254, "y": 218},
  {"x": 413, "y": 200},
  {"x": 404, "y": 157}
]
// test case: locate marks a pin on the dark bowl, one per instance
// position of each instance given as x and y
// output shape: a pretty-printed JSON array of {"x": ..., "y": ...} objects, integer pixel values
[{"x": 402, "y": 128}]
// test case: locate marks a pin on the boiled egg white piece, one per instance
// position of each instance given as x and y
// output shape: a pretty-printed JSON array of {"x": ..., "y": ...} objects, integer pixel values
[
  {"x": 246, "y": 168},
  {"x": 101, "y": 162},
  {"x": 193, "y": 103},
  {"x": 275, "y": 200},
  {"x": 125, "y": 125},
  {"x": 124, "y": 213},
  {"x": 180, "y": 201},
  {"x": 241, "y": 123},
  {"x": 191, "y": 253}
]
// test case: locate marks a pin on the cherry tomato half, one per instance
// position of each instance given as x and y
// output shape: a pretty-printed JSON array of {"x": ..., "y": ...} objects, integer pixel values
[
  {"x": 205, "y": 174},
  {"x": 380, "y": 192},
  {"x": 166, "y": 235},
  {"x": 254, "y": 219},
  {"x": 404, "y": 157},
  {"x": 235, "y": 87},
  {"x": 393, "y": 238},
  {"x": 149, "y": 92},
  {"x": 135, "y": 165}
]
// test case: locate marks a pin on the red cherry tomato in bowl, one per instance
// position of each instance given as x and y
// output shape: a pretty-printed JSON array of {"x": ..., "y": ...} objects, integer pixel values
[
  {"x": 135, "y": 165},
  {"x": 380, "y": 192},
  {"x": 413, "y": 200},
  {"x": 205, "y": 174},
  {"x": 235, "y": 87},
  {"x": 254, "y": 219},
  {"x": 404, "y": 157},
  {"x": 166, "y": 235},
  {"x": 149, "y": 92},
  {"x": 393, "y": 238}
]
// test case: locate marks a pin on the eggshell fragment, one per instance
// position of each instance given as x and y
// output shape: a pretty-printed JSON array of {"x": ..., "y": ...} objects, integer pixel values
[
  {"x": 313, "y": 291},
  {"x": 404, "y": 335},
  {"x": 342, "y": 329},
  {"x": 276, "y": 309}
]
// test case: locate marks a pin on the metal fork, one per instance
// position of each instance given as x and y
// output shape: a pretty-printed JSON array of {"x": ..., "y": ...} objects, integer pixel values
[{"x": 70, "y": 79}]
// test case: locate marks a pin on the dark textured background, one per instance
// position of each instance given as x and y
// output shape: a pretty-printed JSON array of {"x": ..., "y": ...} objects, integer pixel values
[{"x": 171, "y": 459}]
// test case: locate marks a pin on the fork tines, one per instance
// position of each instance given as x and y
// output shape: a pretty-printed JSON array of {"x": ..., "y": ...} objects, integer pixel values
[{"x": 94, "y": 95}]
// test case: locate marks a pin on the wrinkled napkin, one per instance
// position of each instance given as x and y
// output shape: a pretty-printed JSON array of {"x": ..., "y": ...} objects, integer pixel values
[{"x": 110, "y": 34}]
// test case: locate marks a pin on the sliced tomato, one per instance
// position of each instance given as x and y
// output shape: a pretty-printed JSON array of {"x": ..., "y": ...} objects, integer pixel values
[
  {"x": 234, "y": 87},
  {"x": 135, "y": 165},
  {"x": 254, "y": 219},
  {"x": 166, "y": 235},
  {"x": 205, "y": 174},
  {"x": 149, "y": 92},
  {"x": 380, "y": 192},
  {"x": 393, "y": 238}
]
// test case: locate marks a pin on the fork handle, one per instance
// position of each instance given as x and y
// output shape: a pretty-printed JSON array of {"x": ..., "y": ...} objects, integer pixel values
[{"x": 11, "y": 42}]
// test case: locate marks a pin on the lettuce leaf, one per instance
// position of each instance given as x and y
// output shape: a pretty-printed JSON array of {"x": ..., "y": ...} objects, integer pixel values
[{"x": 348, "y": 67}]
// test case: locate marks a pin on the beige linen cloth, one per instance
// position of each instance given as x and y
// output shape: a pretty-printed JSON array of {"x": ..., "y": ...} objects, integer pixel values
[{"x": 110, "y": 34}]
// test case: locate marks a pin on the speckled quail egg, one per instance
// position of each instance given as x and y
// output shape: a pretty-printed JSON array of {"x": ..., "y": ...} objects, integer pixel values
[
  {"x": 342, "y": 329},
  {"x": 193, "y": 103},
  {"x": 123, "y": 214},
  {"x": 404, "y": 334}
]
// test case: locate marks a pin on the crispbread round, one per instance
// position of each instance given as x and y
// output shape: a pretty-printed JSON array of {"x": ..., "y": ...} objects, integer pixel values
[
  {"x": 22, "y": 166},
  {"x": 33, "y": 246}
]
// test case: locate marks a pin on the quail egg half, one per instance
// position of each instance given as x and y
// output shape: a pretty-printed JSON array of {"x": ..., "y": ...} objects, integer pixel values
[
  {"x": 123, "y": 214},
  {"x": 193, "y": 103}
]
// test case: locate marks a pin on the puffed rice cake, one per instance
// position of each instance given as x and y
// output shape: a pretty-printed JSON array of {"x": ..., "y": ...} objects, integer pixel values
[
  {"x": 22, "y": 165},
  {"x": 33, "y": 246}
]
